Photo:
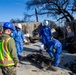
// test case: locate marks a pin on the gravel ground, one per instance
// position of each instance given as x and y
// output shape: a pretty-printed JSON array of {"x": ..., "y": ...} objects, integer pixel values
[{"x": 28, "y": 68}]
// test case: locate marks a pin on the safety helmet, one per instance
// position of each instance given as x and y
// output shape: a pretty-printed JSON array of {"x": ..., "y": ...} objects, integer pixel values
[
  {"x": 19, "y": 26},
  {"x": 8, "y": 25},
  {"x": 46, "y": 22}
]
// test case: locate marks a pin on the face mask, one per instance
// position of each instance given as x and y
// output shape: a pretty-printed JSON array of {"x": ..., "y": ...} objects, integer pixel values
[
  {"x": 17, "y": 28},
  {"x": 46, "y": 23},
  {"x": 11, "y": 34}
]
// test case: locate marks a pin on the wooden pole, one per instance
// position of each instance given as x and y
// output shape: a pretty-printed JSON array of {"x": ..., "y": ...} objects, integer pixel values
[{"x": 36, "y": 15}]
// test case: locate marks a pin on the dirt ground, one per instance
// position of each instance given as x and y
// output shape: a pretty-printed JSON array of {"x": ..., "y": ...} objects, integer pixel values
[{"x": 28, "y": 68}]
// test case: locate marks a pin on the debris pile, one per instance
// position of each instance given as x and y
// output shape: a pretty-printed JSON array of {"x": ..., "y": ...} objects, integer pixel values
[
  {"x": 41, "y": 61},
  {"x": 72, "y": 67}
]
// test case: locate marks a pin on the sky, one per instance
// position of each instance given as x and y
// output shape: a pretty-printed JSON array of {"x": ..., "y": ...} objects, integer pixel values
[
  {"x": 14, "y": 9},
  {"x": 11, "y": 9}
]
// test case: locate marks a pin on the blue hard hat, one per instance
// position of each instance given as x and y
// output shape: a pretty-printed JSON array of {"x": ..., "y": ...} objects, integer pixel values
[{"x": 8, "y": 25}]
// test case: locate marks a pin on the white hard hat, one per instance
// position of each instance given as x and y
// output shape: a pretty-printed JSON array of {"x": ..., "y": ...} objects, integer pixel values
[{"x": 19, "y": 26}]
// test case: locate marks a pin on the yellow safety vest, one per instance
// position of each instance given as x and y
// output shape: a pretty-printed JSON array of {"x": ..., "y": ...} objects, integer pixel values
[{"x": 5, "y": 56}]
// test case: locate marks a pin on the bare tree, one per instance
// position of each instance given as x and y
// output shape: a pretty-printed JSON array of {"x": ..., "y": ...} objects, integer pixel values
[
  {"x": 12, "y": 20},
  {"x": 16, "y": 21},
  {"x": 27, "y": 17},
  {"x": 59, "y": 9}
]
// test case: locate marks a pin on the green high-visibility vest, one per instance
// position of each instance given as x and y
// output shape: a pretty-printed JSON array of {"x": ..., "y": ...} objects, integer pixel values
[{"x": 5, "y": 56}]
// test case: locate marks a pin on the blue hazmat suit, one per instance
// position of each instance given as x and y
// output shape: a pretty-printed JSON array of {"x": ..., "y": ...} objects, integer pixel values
[
  {"x": 51, "y": 45},
  {"x": 18, "y": 36},
  {"x": 45, "y": 34}
]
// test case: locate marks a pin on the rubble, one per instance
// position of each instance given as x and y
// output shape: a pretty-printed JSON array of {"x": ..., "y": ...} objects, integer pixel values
[
  {"x": 38, "y": 59},
  {"x": 41, "y": 61},
  {"x": 72, "y": 67}
]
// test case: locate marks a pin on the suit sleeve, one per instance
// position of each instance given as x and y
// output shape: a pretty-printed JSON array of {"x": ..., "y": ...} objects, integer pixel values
[{"x": 22, "y": 35}]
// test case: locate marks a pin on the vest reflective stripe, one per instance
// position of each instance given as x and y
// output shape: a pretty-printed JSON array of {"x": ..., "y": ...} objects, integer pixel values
[
  {"x": 5, "y": 49},
  {"x": 6, "y": 63},
  {"x": 6, "y": 59}
]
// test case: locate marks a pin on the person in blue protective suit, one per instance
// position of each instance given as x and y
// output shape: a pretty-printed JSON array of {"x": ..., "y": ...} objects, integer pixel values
[
  {"x": 54, "y": 49},
  {"x": 45, "y": 32},
  {"x": 19, "y": 38}
]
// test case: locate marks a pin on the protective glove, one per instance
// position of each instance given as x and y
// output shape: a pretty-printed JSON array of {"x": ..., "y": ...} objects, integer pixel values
[
  {"x": 54, "y": 50},
  {"x": 52, "y": 58}
]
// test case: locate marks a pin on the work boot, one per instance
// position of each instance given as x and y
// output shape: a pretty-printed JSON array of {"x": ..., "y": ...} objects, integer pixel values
[{"x": 53, "y": 68}]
